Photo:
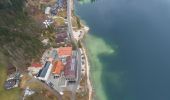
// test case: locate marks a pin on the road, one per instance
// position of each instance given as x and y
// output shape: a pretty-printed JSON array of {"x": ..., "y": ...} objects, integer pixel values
[
  {"x": 70, "y": 33},
  {"x": 69, "y": 15}
]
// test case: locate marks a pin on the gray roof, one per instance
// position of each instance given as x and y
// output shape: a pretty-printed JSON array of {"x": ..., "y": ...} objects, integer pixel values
[
  {"x": 43, "y": 71},
  {"x": 10, "y": 83}
]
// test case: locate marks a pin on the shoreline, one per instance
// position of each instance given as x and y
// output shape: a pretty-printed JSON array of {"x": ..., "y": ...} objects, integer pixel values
[
  {"x": 85, "y": 30},
  {"x": 87, "y": 65},
  {"x": 90, "y": 89}
]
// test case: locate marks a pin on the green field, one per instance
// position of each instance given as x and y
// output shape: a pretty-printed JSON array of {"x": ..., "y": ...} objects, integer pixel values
[{"x": 12, "y": 94}]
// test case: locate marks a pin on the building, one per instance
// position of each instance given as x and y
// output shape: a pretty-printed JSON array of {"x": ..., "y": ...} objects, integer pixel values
[
  {"x": 44, "y": 73},
  {"x": 9, "y": 84},
  {"x": 45, "y": 41},
  {"x": 47, "y": 23},
  {"x": 58, "y": 68},
  {"x": 49, "y": 55},
  {"x": 47, "y": 10},
  {"x": 77, "y": 34},
  {"x": 70, "y": 69},
  {"x": 54, "y": 10},
  {"x": 35, "y": 68},
  {"x": 10, "y": 69},
  {"x": 12, "y": 81},
  {"x": 60, "y": 3},
  {"x": 64, "y": 51},
  {"x": 61, "y": 37},
  {"x": 54, "y": 54}
]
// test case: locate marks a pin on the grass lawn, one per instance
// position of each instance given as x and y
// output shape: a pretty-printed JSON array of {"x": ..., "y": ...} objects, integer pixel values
[{"x": 12, "y": 94}]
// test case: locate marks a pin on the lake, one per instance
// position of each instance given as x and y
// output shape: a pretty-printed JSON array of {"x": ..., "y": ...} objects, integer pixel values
[{"x": 129, "y": 48}]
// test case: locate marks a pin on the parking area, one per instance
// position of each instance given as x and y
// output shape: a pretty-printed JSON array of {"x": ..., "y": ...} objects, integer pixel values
[
  {"x": 53, "y": 82},
  {"x": 61, "y": 84}
]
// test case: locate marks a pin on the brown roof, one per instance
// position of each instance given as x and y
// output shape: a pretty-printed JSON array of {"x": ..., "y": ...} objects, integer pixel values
[{"x": 70, "y": 68}]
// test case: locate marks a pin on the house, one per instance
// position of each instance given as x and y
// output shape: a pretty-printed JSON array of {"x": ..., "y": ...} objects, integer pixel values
[
  {"x": 35, "y": 68},
  {"x": 9, "y": 84},
  {"x": 61, "y": 37},
  {"x": 47, "y": 10},
  {"x": 60, "y": 3},
  {"x": 44, "y": 73},
  {"x": 58, "y": 68},
  {"x": 12, "y": 81},
  {"x": 54, "y": 10},
  {"x": 64, "y": 51},
  {"x": 70, "y": 69}
]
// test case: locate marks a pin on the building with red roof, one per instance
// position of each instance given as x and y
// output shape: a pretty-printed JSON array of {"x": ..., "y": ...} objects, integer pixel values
[
  {"x": 35, "y": 68},
  {"x": 58, "y": 67},
  {"x": 64, "y": 51},
  {"x": 36, "y": 65}
]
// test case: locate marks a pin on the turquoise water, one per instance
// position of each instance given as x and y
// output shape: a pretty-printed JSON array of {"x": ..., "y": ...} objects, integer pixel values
[{"x": 129, "y": 48}]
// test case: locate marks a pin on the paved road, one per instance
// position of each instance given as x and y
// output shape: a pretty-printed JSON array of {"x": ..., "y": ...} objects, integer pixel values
[
  {"x": 70, "y": 31},
  {"x": 69, "y": 9}
]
